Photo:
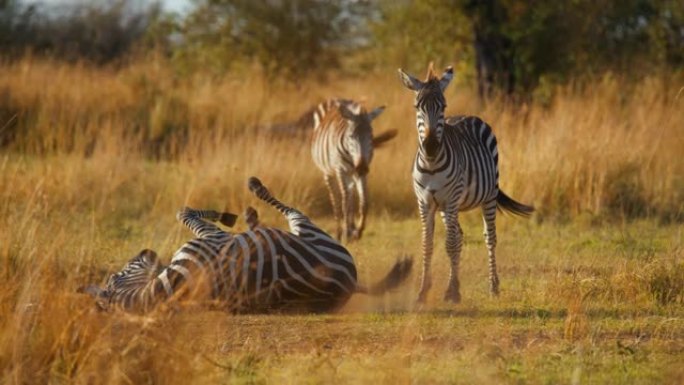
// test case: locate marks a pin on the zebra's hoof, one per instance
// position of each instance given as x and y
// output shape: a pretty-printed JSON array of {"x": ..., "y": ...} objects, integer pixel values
[
  {"x": 254, "y": 183},
  {"x": 422, "y": 297},
  {"x": 494, "y": 287},
  {"x": 228, "y": 219}
]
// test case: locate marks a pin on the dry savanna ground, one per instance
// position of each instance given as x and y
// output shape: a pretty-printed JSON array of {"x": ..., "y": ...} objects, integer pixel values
[{"x": 95, "y": 162}]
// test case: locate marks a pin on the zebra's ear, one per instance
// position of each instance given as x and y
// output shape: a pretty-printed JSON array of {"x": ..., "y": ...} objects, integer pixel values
[
  {"x": 410, "y": 82},
  {"x": 446, "y": 78},
  {"x": 349, "y": 110},
  {"x": 228, "y": 219},
  {"x": 376, "y": 112}
]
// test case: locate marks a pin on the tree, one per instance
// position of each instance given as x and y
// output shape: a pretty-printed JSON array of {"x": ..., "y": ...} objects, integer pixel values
[
  {"x": 512, "y": 44},
  {"x": 100, "y": 33},
  {"x": 290, "y": 37},
  {"x": 494, "y": 51}
]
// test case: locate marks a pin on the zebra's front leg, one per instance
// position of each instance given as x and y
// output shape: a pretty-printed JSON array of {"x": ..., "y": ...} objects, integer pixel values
[
  {"x": 195, "y": 220},
  {"x": 361, "y": 190},
  {"x": 427, "y": 218},
  {"x": 489, "y": 218},
  {"x": 346, "y": 185},
  {"x": 454, "y": 243},
  {"x": 330, "y": 183}
]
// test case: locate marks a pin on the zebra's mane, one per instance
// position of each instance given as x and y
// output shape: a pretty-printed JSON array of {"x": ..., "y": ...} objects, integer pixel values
[{"x": 431, "y": 75}]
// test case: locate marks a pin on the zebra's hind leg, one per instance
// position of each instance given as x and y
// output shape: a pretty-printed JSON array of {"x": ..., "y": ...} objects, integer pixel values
[
  {"x": 331, "y": 184},
  {"x": 454, "y": 242},
  {"x": 489, "y": 218},
  {"x": 294, "y": 217}
]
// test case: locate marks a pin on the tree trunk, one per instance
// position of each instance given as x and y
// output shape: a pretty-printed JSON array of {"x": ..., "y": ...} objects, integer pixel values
[{"x": 493, "y": 49}]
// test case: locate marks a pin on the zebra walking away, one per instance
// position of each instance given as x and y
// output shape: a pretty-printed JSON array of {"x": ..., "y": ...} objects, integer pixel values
[
  {"x": 455, "y": 169},
  {"x": 263, "y": 269},
  {"x": 342, "y": 147}
]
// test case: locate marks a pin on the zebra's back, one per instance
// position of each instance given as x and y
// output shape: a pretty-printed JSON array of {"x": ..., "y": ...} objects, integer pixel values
[
  {"x": 473, "y": 139},
  {"x": 327, "y": 149}
]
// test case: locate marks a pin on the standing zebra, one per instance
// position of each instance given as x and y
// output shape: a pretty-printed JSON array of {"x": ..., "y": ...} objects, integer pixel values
[
  {"x": 456, "y": 169},
  {"x": 262, "y": 269},
  {"x": 342, "y": 147}
]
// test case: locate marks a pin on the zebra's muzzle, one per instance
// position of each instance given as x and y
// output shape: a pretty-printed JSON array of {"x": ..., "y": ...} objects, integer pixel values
[
  {"x": 362, "y": 168},
  {"x": 430, "y": 145}
]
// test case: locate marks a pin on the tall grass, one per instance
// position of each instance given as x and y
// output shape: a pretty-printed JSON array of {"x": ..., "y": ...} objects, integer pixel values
[
  {"x": 609, "y": 148},
  {"x": 95, "y": 162}
]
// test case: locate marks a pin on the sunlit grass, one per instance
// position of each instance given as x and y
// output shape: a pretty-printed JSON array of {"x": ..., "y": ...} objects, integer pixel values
[{"x": 99, "y": 161}]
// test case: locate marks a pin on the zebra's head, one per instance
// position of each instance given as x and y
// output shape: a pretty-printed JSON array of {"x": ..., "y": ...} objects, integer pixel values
[
  {"x": 430, "y": 105},
  {"x": 358, "y": 136},
  {"x": 137, "y": 273}
]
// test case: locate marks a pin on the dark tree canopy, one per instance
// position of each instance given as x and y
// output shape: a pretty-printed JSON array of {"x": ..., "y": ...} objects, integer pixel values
[{"x": 508, "y": 46}]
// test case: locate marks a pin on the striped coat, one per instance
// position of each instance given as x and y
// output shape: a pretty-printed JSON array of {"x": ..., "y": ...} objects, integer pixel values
[
  {"x": 456, "y": 169},
  {"x": 263, "y": 269},
  {"x": 342, "y": 145}
]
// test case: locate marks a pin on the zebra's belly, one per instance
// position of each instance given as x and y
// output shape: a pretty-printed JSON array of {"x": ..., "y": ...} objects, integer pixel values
[
  {"x": 334, "y": 166},
  {"x": 446, "y": 192},
  {"x": 285, "y": 281}
]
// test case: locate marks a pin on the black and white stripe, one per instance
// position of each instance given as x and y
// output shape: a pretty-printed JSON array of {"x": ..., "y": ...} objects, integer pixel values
[
  {"x": 456, "y": 169},
  {"x": 262, "y": 269},
  {"x": 342, "y": 146}
]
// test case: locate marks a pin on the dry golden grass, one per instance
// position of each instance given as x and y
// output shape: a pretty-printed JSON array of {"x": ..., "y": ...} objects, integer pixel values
[{"x": 96, "y": 162}]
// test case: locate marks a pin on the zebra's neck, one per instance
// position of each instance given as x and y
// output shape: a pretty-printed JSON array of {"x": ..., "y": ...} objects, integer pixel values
[
  {"x": 145, "y": 296},
  {"x": 431, "y": 161},
  {"x": 141, "y": 298}
]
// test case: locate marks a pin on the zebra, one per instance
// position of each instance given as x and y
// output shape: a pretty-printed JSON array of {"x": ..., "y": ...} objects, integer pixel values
[
  {"x": 264, "y": 269},
  {"x": 455, "y": 169},
  {"x": 342, "y": 146}
]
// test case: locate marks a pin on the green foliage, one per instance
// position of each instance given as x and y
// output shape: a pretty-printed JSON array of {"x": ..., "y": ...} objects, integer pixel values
[
  {"x": 411, "y": 33},
  {"x": 290, "y": 37},
  {"x": 526, "y": 41},
  {"x": 561, "y": 39},
  {"x": 553, "y": 40},
  {"x": 99, "y": 33}
]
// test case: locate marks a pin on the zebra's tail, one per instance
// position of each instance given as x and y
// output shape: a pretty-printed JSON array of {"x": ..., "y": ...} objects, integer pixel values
[
  {"x": 506, "y": 203},
  {"x": 400, "y": 271}
]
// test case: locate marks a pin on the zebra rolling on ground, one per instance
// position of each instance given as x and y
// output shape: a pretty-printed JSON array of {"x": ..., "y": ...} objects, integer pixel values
[
  {"x": 455, "y": 169},
  {"x": 342, "y": 146},
  {"x": 263, "y": 269}
]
